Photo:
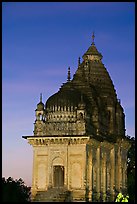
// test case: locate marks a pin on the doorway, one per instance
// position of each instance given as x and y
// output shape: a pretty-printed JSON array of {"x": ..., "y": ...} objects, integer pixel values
[{"x": 58, "y": 176}]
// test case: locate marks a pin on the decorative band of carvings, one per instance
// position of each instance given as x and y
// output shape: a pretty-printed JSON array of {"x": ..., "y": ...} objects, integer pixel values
[{"x": 59, "y": 140}]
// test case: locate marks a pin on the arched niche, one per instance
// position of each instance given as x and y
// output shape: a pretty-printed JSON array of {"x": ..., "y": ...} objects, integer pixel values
[
  {"x": 57, "y": 161},
  {"x": 58, "y": 172}
]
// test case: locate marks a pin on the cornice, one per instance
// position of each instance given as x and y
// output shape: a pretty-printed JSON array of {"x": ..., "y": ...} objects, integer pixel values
[{"x": 47, "y": 140}]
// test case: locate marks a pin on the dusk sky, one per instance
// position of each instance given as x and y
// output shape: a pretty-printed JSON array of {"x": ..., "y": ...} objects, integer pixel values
[{"x": 40, "y": 40}]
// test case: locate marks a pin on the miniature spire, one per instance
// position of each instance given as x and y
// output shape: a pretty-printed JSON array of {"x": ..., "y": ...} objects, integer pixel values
[
  {"x": 41, "y": 97},
  {"x": 93, "y": 36},
  {"x": 78, "y": 61},
  {"x": 68, "y": 79}
]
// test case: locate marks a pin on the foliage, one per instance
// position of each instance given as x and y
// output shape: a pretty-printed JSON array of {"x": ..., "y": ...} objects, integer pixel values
[
  {"x": 15, "y": 190},
  {"x": 131, "y": 171},
  {"x": 121, "y": 198}
]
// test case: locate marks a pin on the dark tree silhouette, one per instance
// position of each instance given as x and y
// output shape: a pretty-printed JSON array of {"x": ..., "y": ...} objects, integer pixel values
[{"x": 15, "y": 190}]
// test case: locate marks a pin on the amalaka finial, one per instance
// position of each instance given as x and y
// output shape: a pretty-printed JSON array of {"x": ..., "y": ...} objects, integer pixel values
[
  {"x": 93, "y": 36},
  {"x": 68, "y": 78},
  {"x": 41, "y": 97}
]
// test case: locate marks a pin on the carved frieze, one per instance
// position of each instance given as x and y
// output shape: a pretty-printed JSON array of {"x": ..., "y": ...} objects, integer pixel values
[{"x": 40, "y": 141}]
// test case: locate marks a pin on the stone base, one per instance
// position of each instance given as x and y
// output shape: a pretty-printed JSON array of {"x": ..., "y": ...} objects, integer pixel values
[
  {"x": 53, "y": 195},
  {"x": 78, "y": 195}
]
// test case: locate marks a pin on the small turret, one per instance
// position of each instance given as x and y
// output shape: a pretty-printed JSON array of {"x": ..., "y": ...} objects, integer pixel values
[
  {"x": 40, "y": 110},
  {"x": 40, "y": 118}
]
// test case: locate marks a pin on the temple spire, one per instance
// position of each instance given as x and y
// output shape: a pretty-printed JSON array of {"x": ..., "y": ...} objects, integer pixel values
[
  {"x": 40, "y": 97},
  {"x": 68, "y": 78},
  {"x": 93, "y": 37}
]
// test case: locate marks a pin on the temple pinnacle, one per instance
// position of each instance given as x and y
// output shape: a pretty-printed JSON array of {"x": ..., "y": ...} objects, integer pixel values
[
  {"x": 68, "y": 79},
  {"x": 41, "y": 97},
  {"x": 93, "y": 36},
  {"x": 78, "y": 61}
]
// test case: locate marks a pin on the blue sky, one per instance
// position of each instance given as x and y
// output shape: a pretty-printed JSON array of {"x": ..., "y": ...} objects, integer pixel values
[{"x": 40, "y": 40}]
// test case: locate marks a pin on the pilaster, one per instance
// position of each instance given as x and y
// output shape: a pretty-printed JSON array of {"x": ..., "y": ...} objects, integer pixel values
[
  {"x": 98, "y": 172},
  {"x": 104, "y": 176},
  {"x": 90, "y": 175},
  {"x": 112, "y": 173},
  {"x": 33, "y": 188}
]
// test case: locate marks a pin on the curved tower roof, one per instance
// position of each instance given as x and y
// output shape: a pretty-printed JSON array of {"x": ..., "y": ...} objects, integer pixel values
[
  {"x": 93, "y": 72},
  {"x": 93, "y": 82}
]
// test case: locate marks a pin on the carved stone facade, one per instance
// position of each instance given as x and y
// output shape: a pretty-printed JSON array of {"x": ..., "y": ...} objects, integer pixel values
[{"x": 79, "y": 138}]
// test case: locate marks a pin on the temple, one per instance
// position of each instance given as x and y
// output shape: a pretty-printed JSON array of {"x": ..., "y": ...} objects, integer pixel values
[{"x": 79, "y": 143}]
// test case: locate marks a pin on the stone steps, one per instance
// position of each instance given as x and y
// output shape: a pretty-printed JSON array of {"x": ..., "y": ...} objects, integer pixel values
[{"x": 52, "y": 195}]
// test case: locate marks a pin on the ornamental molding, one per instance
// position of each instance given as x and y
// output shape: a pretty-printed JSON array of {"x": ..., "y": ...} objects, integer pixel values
[{"x": 44, "y": 141}]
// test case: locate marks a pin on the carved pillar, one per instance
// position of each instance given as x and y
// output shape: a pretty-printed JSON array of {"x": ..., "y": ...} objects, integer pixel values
[
  {"x": 104, "y": 176},
  {"x": 118, "y": 171},
  {"x": 98, "y": 172},
  {"x": 90, "y": 175},
  {"x": 112, "y": 174},
  {"x": 108, "y": 169},
  {"x": 116, "y": 168},
  {"x": 94, "y": 179}
]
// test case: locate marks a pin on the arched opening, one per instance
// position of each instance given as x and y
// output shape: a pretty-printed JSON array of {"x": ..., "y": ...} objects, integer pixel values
[
  {"x": 58, "y": 176},
  {"x": 80, "y": 115},
  {"x": 40, "y": 117}
]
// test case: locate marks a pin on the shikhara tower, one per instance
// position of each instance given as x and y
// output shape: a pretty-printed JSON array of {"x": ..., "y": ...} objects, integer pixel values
[{"x": 79, "y": 143}]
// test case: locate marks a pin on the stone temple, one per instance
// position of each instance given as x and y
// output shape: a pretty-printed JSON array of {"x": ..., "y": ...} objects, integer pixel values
[{"x": 79, "y": 143}]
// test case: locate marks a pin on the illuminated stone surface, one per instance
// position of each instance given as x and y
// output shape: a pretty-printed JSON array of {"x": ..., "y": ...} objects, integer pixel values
[{"x": 79, "y": 143}]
